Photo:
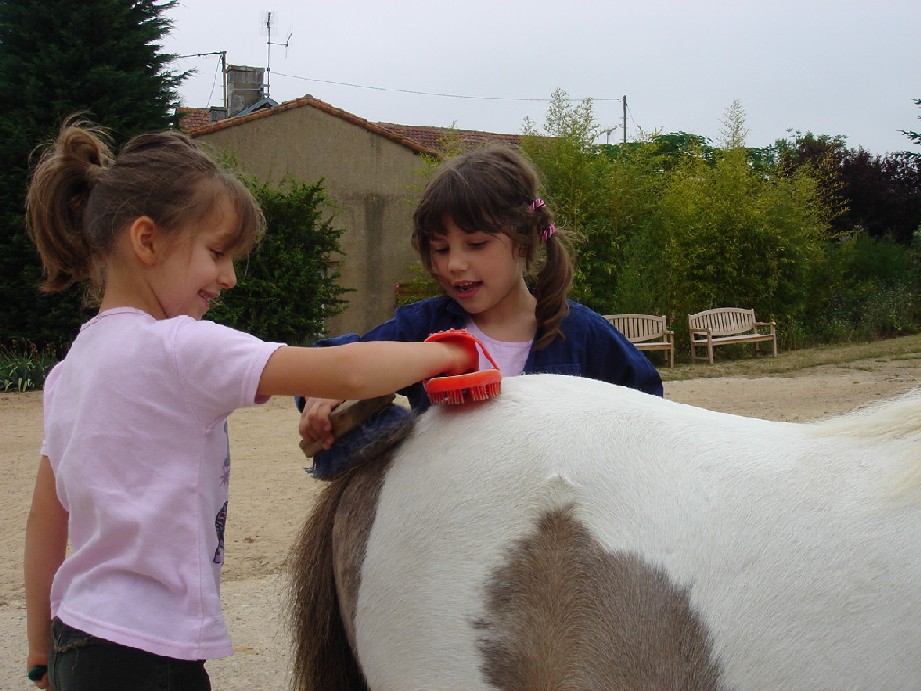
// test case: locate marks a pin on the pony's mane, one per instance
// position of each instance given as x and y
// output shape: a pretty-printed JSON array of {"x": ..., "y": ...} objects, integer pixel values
[{"x": 897, "y": 418}]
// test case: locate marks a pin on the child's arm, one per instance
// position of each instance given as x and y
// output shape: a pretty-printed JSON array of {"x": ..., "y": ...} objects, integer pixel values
[
  {"x": 360, "y": 370},
  {"x": 46, "y": 544}
]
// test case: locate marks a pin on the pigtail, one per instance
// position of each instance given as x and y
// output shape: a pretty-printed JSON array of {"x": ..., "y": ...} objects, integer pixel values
[
  {"x": 554, "y": 279},
  {"x": 66, "y": 173}
]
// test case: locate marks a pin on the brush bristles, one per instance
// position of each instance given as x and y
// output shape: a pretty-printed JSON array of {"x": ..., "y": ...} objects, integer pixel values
[
  {"x": 453, "y": 397},
  {"x": 474, "y": 393},
  {"x": 485, "y": 392}
]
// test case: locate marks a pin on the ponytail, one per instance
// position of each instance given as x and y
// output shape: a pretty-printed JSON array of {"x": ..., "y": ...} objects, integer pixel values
[{"x": 60, "y": 188}]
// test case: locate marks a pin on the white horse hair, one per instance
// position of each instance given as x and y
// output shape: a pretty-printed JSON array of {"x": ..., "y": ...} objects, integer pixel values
[{"x": 572, "y": 534}]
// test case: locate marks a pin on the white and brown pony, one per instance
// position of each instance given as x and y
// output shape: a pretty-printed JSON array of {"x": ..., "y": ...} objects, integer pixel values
[{"x": 571, "y": 534}]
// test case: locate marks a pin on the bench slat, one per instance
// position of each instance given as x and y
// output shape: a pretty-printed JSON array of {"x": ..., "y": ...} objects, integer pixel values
[{"x": 646, "y": 332}]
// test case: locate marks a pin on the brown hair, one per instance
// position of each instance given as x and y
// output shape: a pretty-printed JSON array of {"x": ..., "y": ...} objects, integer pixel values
[
  {"x": 81, "y": 197},
  {"x": 492, "y": 190}
]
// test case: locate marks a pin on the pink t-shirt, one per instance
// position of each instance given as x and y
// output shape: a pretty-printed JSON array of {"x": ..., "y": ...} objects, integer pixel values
[
  {"x": 509, "y": 355},
  {"x": 136, "y": 432}
]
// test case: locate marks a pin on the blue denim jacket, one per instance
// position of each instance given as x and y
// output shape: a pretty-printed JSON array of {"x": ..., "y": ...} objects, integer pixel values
[{"x": 592, "y": 347}]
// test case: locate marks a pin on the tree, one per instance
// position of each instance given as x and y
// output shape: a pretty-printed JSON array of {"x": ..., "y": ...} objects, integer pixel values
[
  {"x": 819, "y": 157},
  {"x": 883, "y": 195},
  {"x": 575, "y": 180},
  {"x": 99, "y": 57},
  {"x": 733, "y": 131},
  {"x": 731, "y": 236},
  {"x": 286, "y": 289},
  {"x": 564, "y": 154},
  {"x": 915, "y": 137},
  {"x": 864, "y": 193}
]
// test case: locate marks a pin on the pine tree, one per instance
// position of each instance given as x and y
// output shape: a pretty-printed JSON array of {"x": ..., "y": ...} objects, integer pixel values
[{"x": 57, "y": 57}]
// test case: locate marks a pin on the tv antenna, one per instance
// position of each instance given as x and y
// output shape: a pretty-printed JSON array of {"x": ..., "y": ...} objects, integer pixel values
[{"x": 268, "y": 45}]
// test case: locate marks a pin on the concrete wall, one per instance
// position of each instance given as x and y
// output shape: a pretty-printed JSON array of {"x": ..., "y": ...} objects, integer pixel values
[{"x": 370, "y": 178}]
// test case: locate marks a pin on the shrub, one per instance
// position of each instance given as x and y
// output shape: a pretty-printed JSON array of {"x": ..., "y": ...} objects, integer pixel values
[
  {"x": 287, "y": 286},
  {"x": 24, "y": 366},
  {"x": 863, "y": 288}
]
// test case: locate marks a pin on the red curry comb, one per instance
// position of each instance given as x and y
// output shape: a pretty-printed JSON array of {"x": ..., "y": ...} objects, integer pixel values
[{"x": 462, "y": 388}]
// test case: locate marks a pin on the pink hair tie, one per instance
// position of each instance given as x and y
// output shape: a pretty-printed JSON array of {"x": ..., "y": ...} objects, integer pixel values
[{"x": 547, "y": 232}]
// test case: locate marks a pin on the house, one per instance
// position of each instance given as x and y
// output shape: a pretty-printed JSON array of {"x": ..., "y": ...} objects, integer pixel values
[{"x": 373, "y": 172}]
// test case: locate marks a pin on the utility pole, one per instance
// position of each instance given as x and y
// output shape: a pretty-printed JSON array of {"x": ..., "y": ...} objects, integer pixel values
[
  {"x": 625, "y": 118},
  {"x": 224, "y": 79},
  {"x": 223, "y": 54}
]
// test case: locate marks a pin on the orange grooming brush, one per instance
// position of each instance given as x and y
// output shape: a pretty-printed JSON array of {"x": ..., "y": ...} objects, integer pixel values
[{"x": 462, "y": 388}]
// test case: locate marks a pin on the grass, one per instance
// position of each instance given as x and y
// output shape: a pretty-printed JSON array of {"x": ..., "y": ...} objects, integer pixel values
[{"x": 901, "y": 348}]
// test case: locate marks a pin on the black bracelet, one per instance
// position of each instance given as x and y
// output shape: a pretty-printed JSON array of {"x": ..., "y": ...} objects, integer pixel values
[{"x": 37, "y": 672}]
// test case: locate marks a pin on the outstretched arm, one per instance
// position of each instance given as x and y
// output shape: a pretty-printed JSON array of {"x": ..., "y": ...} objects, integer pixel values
[
  {"x": 46, "y": 543},
  {"x": 360, "y": 370}
]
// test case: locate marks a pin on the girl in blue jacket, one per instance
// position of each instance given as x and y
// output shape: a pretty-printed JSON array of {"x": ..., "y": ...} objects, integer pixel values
[{"x": 480, "y": 229}]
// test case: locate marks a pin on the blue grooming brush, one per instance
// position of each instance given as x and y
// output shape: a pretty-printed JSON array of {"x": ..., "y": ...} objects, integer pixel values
[{"x": 364, "y": 430}]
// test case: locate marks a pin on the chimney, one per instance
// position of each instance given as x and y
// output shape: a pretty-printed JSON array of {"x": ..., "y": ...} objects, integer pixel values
[
  {"x": 244, "y": 87},
  {"x": 215, "y": 113}
]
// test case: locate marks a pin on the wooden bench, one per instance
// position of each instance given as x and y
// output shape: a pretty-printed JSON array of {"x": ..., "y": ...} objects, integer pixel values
[
  {"x": 646, "y": 332},
  {"x": 724, "y": 325}
]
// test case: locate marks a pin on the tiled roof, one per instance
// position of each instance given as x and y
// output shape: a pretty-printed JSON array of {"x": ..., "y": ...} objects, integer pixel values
[
  {"x": 310, "y": 101},
  {"x": 431, "y": 137},
  {"x": 420, "y": 138},
  {"x": 192, "y": 118}
]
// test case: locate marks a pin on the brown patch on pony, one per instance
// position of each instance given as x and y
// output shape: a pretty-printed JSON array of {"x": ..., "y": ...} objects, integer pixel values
[
  {"x": 325, "y": 567},
  {"x": 562, "y": 613}
]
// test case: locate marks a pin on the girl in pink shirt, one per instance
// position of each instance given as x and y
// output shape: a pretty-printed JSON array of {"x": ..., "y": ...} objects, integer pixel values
[{"x": 135, "y": 461}]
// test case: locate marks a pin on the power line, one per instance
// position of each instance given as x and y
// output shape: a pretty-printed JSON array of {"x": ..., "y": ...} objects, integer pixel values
[
  {"x": 220, "y": 67},
  {"x": 636, "y": 127},
  {"x": 429, "y": 93}
]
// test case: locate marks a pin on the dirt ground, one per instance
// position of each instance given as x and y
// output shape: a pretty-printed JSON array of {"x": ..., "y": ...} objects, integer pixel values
[{"x": 270, "y": 494}]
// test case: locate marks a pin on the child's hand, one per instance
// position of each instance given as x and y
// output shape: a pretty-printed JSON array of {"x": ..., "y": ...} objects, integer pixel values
[
  {"x": 465, "y": 350},
  {"x": 465, "y": 359},
  {"x": 314, "y": 425},
  {"x": 38, "y": 670}
]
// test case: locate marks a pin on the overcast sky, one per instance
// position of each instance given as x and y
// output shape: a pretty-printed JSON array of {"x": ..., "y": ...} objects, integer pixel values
[{"x": 838, "y": 67}]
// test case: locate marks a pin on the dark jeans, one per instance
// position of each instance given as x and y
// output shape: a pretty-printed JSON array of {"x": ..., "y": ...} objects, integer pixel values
[{"x": 81, "y": 662}]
